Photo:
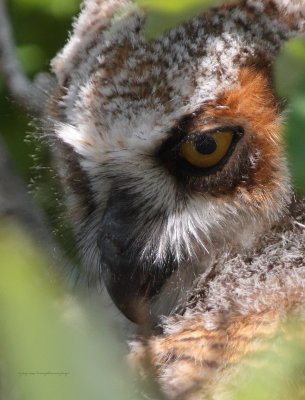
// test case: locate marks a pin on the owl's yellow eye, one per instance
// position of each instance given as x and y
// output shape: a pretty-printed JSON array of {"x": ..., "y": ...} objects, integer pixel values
[{"x": 207, "y": 150}]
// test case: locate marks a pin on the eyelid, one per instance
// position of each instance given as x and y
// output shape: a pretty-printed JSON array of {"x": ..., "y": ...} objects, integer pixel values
[{"x": 237, "y": 130}]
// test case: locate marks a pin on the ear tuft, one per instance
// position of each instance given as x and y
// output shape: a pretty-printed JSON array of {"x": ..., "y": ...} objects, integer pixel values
[{"x": 95, "y": 17}]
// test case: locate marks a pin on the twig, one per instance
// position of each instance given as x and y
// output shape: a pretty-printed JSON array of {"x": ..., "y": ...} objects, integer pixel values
[{"x": 22, "y": 90}]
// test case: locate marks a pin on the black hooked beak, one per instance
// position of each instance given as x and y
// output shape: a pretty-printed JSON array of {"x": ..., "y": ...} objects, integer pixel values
[{"x": 130, "y": 281}]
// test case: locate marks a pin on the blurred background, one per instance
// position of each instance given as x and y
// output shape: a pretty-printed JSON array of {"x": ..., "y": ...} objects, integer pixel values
[
  {"x": 41, "y": 29},
  {"x": 51, "y": 346}
]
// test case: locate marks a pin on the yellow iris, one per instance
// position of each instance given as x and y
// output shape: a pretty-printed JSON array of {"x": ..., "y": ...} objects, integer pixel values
[{"x": 221, "y": 142}]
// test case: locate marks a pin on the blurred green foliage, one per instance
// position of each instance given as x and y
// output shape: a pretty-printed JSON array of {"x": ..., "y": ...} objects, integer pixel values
[
  {"x": 163, "y": 15},
  {"x": 56, "y": 8},
  {"x": 51, "y": 346},
  {"x": 278, "y": 372},
  {"x": 290, "y": 83},
  {"x": 40, "y": 28}
]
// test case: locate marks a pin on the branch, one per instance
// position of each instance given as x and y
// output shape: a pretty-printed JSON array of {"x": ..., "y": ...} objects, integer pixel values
[
  {"x": 22, "y": 90},
  {"x": 14, "y": 199},
  {"x": 17, "y": 204}
]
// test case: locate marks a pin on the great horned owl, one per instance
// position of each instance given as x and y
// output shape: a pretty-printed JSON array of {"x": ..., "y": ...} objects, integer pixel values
[{"x": 172, "y": 160}]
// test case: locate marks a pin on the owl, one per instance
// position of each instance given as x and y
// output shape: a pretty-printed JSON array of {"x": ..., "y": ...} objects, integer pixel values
[{"x": 172, "y": 161}]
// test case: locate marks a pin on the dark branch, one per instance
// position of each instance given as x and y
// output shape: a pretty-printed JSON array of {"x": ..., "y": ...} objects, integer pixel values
[
  {"x": 16, "y": 204},
  {"x": 22, "y": 90}
]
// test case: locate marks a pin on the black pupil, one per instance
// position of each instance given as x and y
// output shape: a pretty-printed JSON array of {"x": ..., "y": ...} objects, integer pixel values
[{"x": 206, "y": 144}]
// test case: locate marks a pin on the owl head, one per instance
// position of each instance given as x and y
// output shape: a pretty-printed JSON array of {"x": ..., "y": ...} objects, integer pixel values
[{"x": 170, "y": 151}]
